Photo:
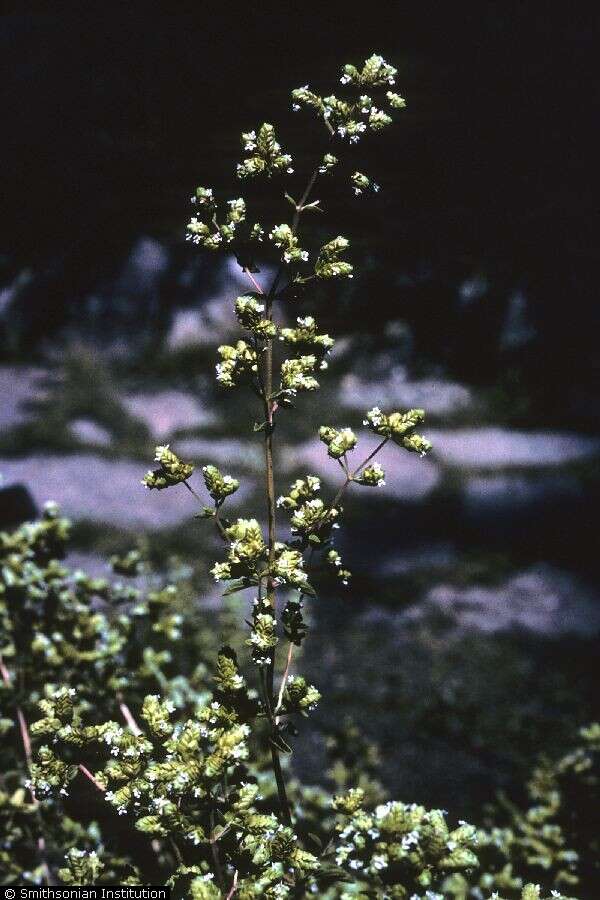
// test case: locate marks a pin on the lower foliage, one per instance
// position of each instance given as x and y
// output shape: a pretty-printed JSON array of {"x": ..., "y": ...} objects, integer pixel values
[{"x": 134, "y": 752}]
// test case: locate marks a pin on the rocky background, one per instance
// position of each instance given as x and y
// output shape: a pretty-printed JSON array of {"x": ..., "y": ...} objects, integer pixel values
[{"x": 467, "y": 639}]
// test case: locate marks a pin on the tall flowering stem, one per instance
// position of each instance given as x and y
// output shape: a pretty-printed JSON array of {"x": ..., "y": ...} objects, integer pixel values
[
  {"x": 269, "y": 564},
  {"x": 252, "y": 561},
  {"x": 270, "y": 407}
]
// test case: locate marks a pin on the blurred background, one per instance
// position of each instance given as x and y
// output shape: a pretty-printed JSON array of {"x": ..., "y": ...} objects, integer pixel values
[{"x": 467, "y": 639}]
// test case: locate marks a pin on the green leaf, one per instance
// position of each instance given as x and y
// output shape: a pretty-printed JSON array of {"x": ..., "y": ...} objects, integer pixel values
[
  {"x": 207, "y": 513},
  {"x": 240, "y": 584}
]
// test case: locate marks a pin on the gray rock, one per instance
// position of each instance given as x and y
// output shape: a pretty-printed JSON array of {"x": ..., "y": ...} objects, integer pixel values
[
  {"x": 190, "y": 328},
  {"x": 440, "y": 554},
  {"x": 86, "y": 431},
  {"x": 100, "y": 490},
  {"x": 92, "y": 564},
  {"x": 506, "y": 493},
  {"x": 165, "y": 412},
  {"x": 543, "y": 600},
  {"x": 502, "y": 447},
  {"x": 397, "y": 391},
  {"x": 222, "y": 452}
]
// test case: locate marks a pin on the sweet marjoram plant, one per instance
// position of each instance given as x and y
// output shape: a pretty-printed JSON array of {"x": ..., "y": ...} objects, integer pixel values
[{"x": 137, "y": 752}]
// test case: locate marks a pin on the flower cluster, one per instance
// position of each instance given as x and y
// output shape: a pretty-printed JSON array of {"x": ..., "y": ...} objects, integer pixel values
[
  {"x": 329, "y": 264},
  {"x": 288, "y": 567},
  {"x": 238, "y": 364},
  {"x": 305, "y": 337},
  {"x": 172, "y": 470},
  {"x": 375, "y": 73},
  {"x": 301, "y": 489},
  {"x": 338, "y": 441},
  {"x": 249, "y": 312},
  {"x": 334, "y": 559},
  {"x": 314, "y": 520},
  {"x": 263, "y": 637},
  {"x": 219, "y": 486},
  {"x": 265, "y": 157},
  {"x": 400, "y": 844},
  {"x": 284, "y": 239},
  {"x": 351, "y": 118},
  {"x": 361, "y": 183},
  {"x": 297, "y": 375},
  {"x": 371, "y": 476},
  {"x": 247, "y": 550},
  {"x": 299, "y": 697},
  {"x": 529, "y": 892},
  {"x": 83, "y": 867},
  {"x": 130, "y": 564},
  {"x": 400, "y": 428},
  {"x": 161, "y": 776},
  {"x": 327, "y": 164},
  {"x": 205, "y": 229}
]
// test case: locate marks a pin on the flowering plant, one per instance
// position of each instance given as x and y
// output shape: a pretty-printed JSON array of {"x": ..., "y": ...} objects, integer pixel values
[{"x": 181, "y": 743}]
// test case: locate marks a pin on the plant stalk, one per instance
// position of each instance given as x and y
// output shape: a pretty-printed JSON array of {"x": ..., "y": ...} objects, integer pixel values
[{"x": 269, "y": 409}]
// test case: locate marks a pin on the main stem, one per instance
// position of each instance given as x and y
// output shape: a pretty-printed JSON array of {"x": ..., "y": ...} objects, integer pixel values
[
  {"x": 270, "y": 487},
  {"x": 269, "y": 409},
  {"x": 267, "y": 388}
]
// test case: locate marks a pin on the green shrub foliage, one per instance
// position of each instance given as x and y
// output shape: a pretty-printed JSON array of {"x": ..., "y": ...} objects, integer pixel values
[{"x": 135, "y": 749}]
